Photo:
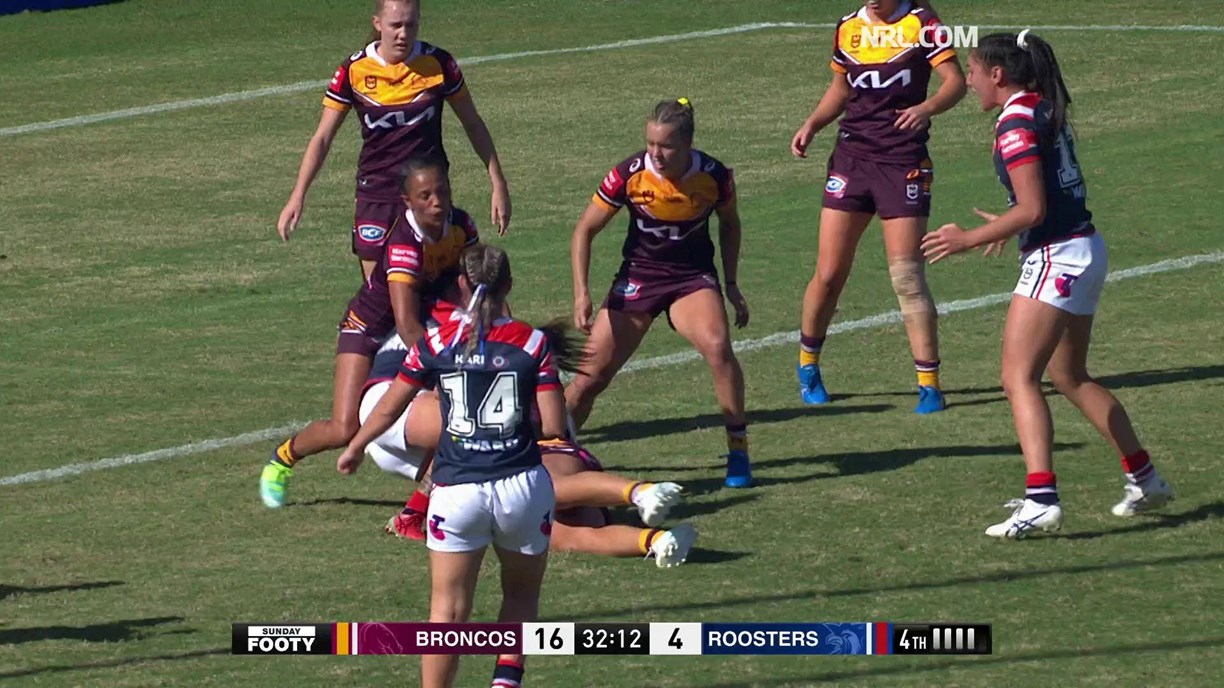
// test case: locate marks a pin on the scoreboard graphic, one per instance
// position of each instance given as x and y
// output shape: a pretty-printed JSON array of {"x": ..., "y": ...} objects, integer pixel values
[{"x": 372, "y": 638}]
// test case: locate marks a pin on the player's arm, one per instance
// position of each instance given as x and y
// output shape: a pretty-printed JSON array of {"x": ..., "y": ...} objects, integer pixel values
[
  {"x": 730, "y": 233},
  {"x": 406, "y": 304},
  {"x": 951, "y": 89},
  {"x": 482, "y": 142},
  {"x": 551, "y": 402},
  {"x": 593, "y": 220},
  {"x": 1029, "y": 211},
  {"x": 312, "y": 161},
  {"x": 385, "y": 413},
  {"x": 832, "y": 104}
]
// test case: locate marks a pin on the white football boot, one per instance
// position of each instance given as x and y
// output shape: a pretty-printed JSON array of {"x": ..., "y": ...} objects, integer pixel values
[
  {"x": 653, "y": 502},
  {"x": 1151, "y": 494},
  {"x": 1027, "y": 516},
  {"x": 671, "y": 548}
]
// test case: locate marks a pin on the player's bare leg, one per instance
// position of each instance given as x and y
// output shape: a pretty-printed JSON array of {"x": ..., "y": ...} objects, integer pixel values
[
  {"x": 701, "y": 318},
  {"x": 1030, "y": 336},
  {"x": 615, "y": 335},
  {"x": 321, "y": 435},
  {"x": 840, "y": 232},
  {"x": 1068, "y": 369},
  {"x": 452, "y": 577},
  {"x": 575, "y": 486},
  {"x": 583, "y": 530},
  {"x": 907, "y": 269},
  {"x": 522, "y": 575}
]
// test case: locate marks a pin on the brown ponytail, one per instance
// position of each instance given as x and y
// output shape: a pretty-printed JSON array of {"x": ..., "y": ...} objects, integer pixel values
[{"x": 487, "y": 269}]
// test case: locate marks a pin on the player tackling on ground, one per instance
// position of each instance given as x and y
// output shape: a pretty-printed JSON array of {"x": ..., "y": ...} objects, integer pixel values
[{"x": 1063, "y": 269}]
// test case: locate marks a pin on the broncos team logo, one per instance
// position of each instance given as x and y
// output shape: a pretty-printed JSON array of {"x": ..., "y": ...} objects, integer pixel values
[
  {"x": 378, "y": 639},
  {"x": 1063, "y": 284}
]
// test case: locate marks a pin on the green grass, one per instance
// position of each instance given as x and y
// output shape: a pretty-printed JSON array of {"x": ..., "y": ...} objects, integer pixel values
[{"x": 146, "y": 303}]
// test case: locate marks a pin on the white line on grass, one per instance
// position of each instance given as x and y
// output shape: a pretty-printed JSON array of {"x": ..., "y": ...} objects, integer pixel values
[
  {"x": 742, "y": 346},
  {"x": 300, "y": 86}
]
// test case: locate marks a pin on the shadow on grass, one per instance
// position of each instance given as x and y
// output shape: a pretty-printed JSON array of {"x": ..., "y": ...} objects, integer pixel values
[
  {"x": 1153, "y": 521},
  {"x": 7, "y": 591},
  {"x": 624, "y": 431},
  {"x": 351, "y": 501},
  {"x": 111, "y": 632},
  {"x": 113, "y": 663}
]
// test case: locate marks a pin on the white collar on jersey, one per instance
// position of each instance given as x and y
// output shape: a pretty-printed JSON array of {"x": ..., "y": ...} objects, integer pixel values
[
  {"x": 419, "y": 233},
  {"x": 371, "y": 52},
  {"x": 1010, "y": 109},
  {"x": 693, "y": 166},
  {"x": 905, "y": 8}
]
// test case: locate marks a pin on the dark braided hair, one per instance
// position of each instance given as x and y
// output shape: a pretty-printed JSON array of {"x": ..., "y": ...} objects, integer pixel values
[{"x": 677, "y": 113}]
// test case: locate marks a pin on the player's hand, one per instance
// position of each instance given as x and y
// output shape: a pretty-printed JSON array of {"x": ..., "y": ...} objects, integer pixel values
[
  {"x": 290, "y": 216},
  {"x": 582, "y": 314},
  {"x": 943, "y": 242},
  {"x": 736, "y": 297},
  {"x": 350, "y": 460},
  {"x": 995, "y": 248},
  {"x": 501, "y": 208},
  {"x": 802, "y": 139},
  {"x": 913, "y": 118}
]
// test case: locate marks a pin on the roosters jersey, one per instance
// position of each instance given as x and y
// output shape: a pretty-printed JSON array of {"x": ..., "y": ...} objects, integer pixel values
[
  {"x": 486, "y": 398},
  {"x": 1024, "y": 134},
  {"x": 399, "y": 107},
  {"x": 885, "y": 77},
  {"x": 669, "y": 222}
]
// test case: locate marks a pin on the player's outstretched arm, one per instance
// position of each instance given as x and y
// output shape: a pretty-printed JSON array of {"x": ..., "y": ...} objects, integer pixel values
[
  {"x": 384, "y": 415},
  {"x": 1028, "y": 212},
  {"x": 312, "y": 162},
  {"x": 406, "y": 304}
]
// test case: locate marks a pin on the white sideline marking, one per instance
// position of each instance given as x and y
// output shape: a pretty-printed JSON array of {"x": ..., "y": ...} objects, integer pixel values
[
  {"x": 746, "y": 345},
  {"x": 239, "y": 96}
]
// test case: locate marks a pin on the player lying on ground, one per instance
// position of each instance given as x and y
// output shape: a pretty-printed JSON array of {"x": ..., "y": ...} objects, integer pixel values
[
  {"x": 1064, "y": 265},
  {"x": 582, "y": 487}
]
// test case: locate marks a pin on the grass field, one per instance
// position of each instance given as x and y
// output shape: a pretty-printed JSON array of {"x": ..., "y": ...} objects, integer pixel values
[{"x": 145, "y": 303}]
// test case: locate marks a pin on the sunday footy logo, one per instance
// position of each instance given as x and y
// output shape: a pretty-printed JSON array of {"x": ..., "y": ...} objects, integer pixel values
[{"x": 283, "y": 639}]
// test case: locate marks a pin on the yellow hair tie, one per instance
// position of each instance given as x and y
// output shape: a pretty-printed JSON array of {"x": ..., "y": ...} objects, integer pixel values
[{"x": 685, "y": 102}]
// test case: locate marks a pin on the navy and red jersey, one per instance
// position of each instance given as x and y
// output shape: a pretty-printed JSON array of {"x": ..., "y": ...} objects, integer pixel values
[
  {"x": 669, "y": 222},
  {"x": 400, "y": 109},
  {"x": 886, "y": 74},
  {"x": 486, "y": 397},
  {"x": 1025, "y": 135},
  {"x": 413, "y": 257}
]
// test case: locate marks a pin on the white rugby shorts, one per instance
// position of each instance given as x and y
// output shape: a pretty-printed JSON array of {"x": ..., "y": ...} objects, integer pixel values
[
  {"x": 1068, "y": 275},
  {"x": 514, "y": 513},
  {"x": 390, "y": 450}
]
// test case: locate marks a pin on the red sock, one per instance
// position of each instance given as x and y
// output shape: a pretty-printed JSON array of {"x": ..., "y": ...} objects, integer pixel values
[
  {"x": 1041, "y": 487},
  {"x": 418, "y": 502},
  {"x": 1138, "y": 466}
]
